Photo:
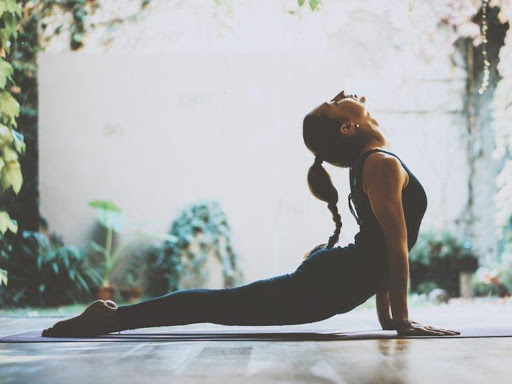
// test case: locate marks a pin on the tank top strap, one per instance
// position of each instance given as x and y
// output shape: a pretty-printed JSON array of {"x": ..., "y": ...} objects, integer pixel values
[
  {"x": 365, "y": 154},
  {"x": 390, "y": 153},
  {"x": 355, "y": 175}
]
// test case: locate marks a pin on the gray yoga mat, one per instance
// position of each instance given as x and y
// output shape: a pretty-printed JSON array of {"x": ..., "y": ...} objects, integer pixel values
[{"x": 248, "y": 335}]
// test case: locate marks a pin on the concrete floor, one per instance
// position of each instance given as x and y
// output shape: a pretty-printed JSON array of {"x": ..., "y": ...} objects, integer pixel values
[{"x": 367, "y": 361}]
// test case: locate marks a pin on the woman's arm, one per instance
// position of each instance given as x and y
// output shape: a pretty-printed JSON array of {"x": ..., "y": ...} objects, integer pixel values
[
  {"x": 383, "y": 310},
  {"x": 385, "y": 178}
]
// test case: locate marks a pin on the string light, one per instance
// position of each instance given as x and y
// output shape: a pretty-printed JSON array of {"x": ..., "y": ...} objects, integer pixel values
[{"x": 485, "y": 79}]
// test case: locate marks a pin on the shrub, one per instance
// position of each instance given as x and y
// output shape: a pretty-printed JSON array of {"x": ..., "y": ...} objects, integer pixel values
[
  {"x": 44, "y": 272},
  {"x": 425, "y": 287},
  {"x": 439, "y": 257},
  {"x": 493, "y": 280},
  {"x": 201, "y": 228}
]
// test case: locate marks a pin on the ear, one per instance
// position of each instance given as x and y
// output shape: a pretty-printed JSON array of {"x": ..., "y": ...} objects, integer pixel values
[{"x": 347, "y": 129}]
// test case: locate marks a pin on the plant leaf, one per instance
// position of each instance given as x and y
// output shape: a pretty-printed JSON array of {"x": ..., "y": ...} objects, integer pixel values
[
  {"x": 98, "y": 248},
  {"x": 82, "y": 282},
  {"x": 10, "y": 6},
  {"x": 6, "y": 136},
  {"x": 108, "y": 214},
  {"x": 3, "y": 277},
  {"x": 19, "y": 143},
  {"x": 9, "y": 107},
  {"x": 106, "y": 205},
  {"x": 11, "y": 176},
  {"x": 9, "y": 154},
  {"x": 6, "y": 70},
  {"x": 314, "y": 4},
  {"x": 7, "y": 223}
]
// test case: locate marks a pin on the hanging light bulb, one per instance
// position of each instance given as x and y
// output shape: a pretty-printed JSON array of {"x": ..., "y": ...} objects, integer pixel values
[{"x": 487, "y": 72}]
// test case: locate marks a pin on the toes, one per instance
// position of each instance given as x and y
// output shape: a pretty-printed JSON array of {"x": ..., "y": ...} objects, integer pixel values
[{"x": 48, "y": 332}]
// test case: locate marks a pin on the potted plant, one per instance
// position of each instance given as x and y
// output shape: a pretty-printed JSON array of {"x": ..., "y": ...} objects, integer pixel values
[
  {"x": 111, "y": 218},
  {"x": 131, "y": 275},
  {"x": 132, "y": 290}
]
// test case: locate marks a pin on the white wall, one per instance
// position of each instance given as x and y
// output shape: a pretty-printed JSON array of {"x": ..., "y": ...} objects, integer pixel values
[{"x": 165, "y": 121}]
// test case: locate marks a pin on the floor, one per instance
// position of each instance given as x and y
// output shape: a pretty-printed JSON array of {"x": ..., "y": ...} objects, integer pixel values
[{"x": 478, "y": 360}]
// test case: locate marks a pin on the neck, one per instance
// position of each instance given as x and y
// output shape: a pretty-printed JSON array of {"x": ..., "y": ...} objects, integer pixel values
[
  {"x": 377, "y": 138},
  {"x": 378, "y": 143}
]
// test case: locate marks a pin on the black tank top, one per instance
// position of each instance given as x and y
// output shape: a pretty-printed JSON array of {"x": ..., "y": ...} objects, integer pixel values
[{"x": 370, "y": 235}]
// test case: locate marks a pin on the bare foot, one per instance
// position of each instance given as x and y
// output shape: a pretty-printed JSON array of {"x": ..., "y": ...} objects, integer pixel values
[{"x": 99, "y": 318}]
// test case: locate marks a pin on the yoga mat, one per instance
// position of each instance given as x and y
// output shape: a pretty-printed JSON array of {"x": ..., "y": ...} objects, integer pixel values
[{"x": 249, "y": 335}]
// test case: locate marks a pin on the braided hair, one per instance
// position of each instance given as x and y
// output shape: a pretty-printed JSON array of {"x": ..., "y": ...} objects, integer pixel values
[{"x": 321, "y": 186}]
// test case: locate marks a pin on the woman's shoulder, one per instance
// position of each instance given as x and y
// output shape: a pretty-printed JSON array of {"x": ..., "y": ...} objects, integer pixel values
[{"x": 379, "y": 165}]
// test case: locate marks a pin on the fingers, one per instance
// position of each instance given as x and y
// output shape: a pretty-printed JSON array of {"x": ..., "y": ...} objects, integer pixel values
[
  {"x": 450, "y": 332},
  {"x": 444, "y": 331},
  {"x": 427, "y": 331},
  {"x": 430, "y": 332}
]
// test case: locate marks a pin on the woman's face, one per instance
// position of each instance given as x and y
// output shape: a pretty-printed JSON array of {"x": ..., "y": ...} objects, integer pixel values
[{"x": 345, "y": 110}]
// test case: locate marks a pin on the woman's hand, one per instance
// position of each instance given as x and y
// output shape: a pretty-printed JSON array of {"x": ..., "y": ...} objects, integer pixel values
[{"x": 416, "y": 329}]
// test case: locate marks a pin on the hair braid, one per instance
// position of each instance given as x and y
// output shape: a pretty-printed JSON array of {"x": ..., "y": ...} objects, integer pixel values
[
  {"x": 337, "y": 221},
  {"x": 321, "y": 186}
]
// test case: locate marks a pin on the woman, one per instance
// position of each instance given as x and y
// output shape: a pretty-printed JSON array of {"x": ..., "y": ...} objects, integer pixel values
[{"x": 390, "y": 204}]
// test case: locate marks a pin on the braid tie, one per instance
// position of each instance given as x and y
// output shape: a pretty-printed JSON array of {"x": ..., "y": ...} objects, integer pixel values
[{"x": 318, "y": 161}]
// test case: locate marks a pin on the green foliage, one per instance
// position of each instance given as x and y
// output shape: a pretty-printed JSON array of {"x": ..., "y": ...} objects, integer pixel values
[
  {"x": 485, "y": 289},
  {"x": 494, "y": 279},
  {"x": 111, "y": 217},
  {"x": 11, "y": 141},
  {"x": 9, "y": 13},
  {"x": 3, "y": 277},
  {"x": 108, "y": 214},
  {"x": 425, "y": 287},
  {"x": 6, "y": 72},
  {"x": 433, "y": 246},
  {"x": 43, "y": 271},
  {"x": 200, "y": 229},
  {"x": 313, "y": 4},
  {"x": 7, "y": 223},
  {"x": 439, "y": 257},
  {"x": 164, "y": 270}
]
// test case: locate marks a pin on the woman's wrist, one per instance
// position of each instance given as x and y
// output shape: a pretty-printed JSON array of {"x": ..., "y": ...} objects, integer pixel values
[
  {"x": 402, "y": 324},
  {"x": 387, "y": 323}
]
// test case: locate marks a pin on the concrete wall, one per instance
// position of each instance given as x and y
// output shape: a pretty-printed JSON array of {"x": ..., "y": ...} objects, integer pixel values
[{"x": 180, "y": 106}]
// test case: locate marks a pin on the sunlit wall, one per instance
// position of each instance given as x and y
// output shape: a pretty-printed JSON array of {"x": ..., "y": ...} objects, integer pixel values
[{"x": 192, "y": 102}]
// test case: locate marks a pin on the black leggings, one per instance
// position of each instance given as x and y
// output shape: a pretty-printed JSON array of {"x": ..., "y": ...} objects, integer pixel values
[
  {"x": 327, "y": 283},
  {"x": 279, "y": 300}
]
